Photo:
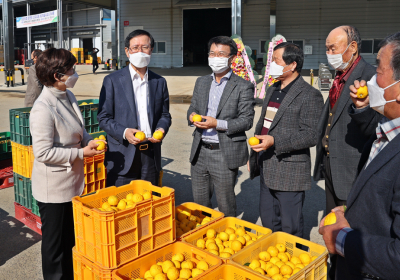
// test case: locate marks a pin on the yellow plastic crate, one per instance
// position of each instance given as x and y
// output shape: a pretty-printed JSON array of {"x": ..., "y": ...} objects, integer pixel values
[
  {"x": 230, "y": 272},
  {"x": 87, "y": 270},
  {"x": 21, "y": 159},
  {"x": 200, "y": 211},
  {"x": 316, "y": 270},
  {"x": 111, "y": 239},
  {"x": 137, "y": 268},
  {"x": 221, "y": 225}
]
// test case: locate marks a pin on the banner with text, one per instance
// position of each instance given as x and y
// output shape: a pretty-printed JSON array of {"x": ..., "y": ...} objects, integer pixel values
[{"x": 39, "y": 19}]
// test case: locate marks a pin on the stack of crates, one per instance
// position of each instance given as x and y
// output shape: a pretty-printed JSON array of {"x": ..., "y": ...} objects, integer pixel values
[
  {"x": 23, "y": 158},
  {"x": 79, "y": 54},
  {"x": 6, "y": 169}
]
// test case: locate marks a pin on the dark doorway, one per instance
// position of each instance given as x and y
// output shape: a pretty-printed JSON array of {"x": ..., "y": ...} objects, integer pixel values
[
  {"x": 87, "y": 45},
  {"x": 199, "y": 26}
]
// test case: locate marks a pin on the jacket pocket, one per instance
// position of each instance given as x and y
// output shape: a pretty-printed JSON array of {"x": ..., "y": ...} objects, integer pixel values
[
  {"x": 239, "y": 138},
  {"x": 57, "y": 168},
  {"x": 297, "y": 158}
]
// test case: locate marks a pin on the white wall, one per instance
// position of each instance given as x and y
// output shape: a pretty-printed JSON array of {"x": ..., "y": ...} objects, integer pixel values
[{"x": 312, "y": 20}]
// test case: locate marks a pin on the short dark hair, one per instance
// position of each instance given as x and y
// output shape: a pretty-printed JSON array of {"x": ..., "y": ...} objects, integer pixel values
[
  {"x": 36, "y": 52},
  {"x": 135, "y": 33},
  {"x": 393, "y": 40},
  {"x": 53, "y": 61},
  {"x": 291, "y": 53},
  {"x": 223, "y": 40},
  {"x": 353, "y": 35}
]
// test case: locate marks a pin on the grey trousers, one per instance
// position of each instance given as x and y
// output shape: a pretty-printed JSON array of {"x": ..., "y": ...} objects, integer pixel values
[{"x": 210, "y": 173}]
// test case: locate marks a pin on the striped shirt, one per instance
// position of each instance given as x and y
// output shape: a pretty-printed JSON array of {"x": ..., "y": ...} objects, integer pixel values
[
  {"x": 216, "y": 90},
  {"x": 386, "y": 131}
]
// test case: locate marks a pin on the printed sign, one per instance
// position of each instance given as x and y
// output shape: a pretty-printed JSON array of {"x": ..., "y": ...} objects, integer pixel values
[
  {"x": 39, "y": 19},
  {"x": 126, "y": 23}
]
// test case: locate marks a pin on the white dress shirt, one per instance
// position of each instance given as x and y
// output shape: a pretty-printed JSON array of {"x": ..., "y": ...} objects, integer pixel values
[{"x": 141, "y": 92}]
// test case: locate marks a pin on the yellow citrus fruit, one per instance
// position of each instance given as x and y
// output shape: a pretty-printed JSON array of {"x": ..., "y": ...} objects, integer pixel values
[
  {"x": 263, "y": 264},
  {"x": 259, "y": 270},
  {"x": 105, "y": 205},
  {"x": 254, "y": 264},
  {"x": 147, "y": 274},
  {"x": 286, "y": 270},
  {"x": 268, "y": 265},
  {"x": 290, "y": 264},
  {"x": 218, "y": 240},
  {"x": 241, "y": 240},
  {"x": 295, "y": 260},
  {"x": 314, "y": 258},
  {"x": 240, "y": 231},
  {"x": 158, "y": 135},
  {"x": 220, "y": 247},
  {"x": 273, "y": 271},
  {"x": 84, "y": 103},
  {"x": 208, "y": 241},
  {"x": 277, "y": 277},
  {"x": 281, "y": 248},
  {"x": 225, "y": 255},
  {"x": 197, "y": 118},
  {"x": 224, "y": 236},
  {"x": 179, "y": 232},
  {"x": 129, "y": 196},
  {"x": 253, "y": 141},
  {"x": 121, "y": 205},
  {"x": 273, "y": 251},
  {"x": 201, "y": 243},
  {"x": 274, "y": 260},
  {"x": 178, "y": 257},
  {"x": 140, "y": 135},
  {"x": 196, "y": 272},
  {"x": 113, "y": 200},
  {"x": 137, "y": 197},
  {"x": 330, "y": 219},
  {"x": 247, "y": 237},
  {"x": 283, "y": 257},
  {"x": 230, "y": 230},
  {"x": 193, "y": 218},
  {"x": 166, "y": 265},
  {"x": 214, "y": 252},
  {"x": 202, "y": 265},
  {"x": 236, "y": 245},
  {"x": 362, "y": 92},
  {"x": 191, "y": 225},
  {"x": 229, "y": 250},
  {"x": 185, "y": 273},
  {"x": 147, "y": 195},
  {"x": 280, "y": 264},
  {"x": 211, "y": 233},
  {"x": 265, "y": 256},
  {"x": 160, "y": 277},
  {"x": 299, "y": 265},
  {"x": 249, "y": 242},
  {"x": 232, "y": 237},
  {"x": 102, "y": 137},
  {"x": 305, "y": 258},
  {"x": 212, "y": 246},
  {"x": 155, "y": 269},
  {"x": 172, "y": 273},
  {"x": 295, "y": 270},
  {"x": 187, "y": 264},
  {"x": 288, "y": 255},
  {"x": 181, "y": 217},
  {"x": 177, "y": 264},
  {"x": 101, "y": 145}
]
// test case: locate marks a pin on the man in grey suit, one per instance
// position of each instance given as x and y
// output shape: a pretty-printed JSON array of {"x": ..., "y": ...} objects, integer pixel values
[
  {"x": 287, "y": 129},
  {"x": 226, "y": 104},
  {"x": 346, "y": 122},
  {"x": 34, "y": 87}
]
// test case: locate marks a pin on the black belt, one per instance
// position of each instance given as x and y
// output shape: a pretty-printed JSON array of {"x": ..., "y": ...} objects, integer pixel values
[{"x": 211, "y": 146}]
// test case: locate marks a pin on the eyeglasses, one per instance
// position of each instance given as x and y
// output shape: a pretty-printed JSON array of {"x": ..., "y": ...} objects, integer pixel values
[
  {"x": 144, "y": 48},
  {"x": 220, "y": 54}
]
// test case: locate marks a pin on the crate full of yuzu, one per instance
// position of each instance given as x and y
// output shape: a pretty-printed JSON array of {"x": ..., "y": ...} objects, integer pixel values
[
  {"x": 175, "y": 261},
  {"x": 284, "y": 256},
  {"x": 114, "y": 226},
  {"x": 230, "y": 272},
  {"x": 190, "y": 217},
  {"x": 226, "y": 237}
]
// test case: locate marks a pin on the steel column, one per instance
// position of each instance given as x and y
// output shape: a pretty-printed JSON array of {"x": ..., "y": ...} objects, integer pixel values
[
  {"x": 60, "y": 24},
  {"x": 8, "y": 27},
  {"x": 28, "y": 32},
  {"x": 237, "y": 17}
]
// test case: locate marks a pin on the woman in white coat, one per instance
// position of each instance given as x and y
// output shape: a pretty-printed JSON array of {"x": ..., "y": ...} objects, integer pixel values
[{"x": 60, "y": 142}]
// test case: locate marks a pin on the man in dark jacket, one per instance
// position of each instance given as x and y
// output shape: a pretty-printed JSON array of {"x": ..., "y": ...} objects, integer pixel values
[
  {"x": 94, "y": 60},
  {"x": 366, "y": 236},
  {"x": 287, "y": 129},
  {"x": 34, "y": 87}
]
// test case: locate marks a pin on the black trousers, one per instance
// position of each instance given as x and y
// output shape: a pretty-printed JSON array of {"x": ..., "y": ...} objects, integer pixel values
[
  {"x": 332, "y": 201},
  {"x": 143, "y": 168},
  {"x": 95, "y": 66},
  {"x": 58, "y": 239},
  {"x": 281, "y": 210}
]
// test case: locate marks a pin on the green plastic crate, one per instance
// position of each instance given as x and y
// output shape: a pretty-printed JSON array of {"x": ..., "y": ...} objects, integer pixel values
[
  {"x": 5, "y": 145},
  {"x": 89, "y": 112},
  {"x": 19, "y": 126},
  {"x": 97, "y": 134},
  {"x": 23, "y": 193}
]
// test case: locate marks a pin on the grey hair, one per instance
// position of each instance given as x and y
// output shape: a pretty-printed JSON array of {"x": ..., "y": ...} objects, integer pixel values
[
  {"x": 353, "y": 35},
  {"x": 393, "y": 40}
]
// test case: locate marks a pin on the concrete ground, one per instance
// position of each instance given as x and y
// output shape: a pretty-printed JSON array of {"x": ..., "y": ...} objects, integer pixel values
[{"x": 20, "y": 256}]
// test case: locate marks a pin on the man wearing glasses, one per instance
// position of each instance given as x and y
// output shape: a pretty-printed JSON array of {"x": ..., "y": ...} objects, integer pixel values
[
  {"x": 226, "y": 105},
  {"x": 134, "y": 99}
]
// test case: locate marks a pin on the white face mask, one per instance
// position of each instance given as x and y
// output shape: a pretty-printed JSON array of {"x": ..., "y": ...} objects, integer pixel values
[
  {"x": 376, "y": 99},
  {"x": 139, "y": 59},
  {"x": 218, "y": 64},
  {"x": 71, "y": 81},
  {"x": 336, "y": 60},
  {"x": 275, "y": 70}
]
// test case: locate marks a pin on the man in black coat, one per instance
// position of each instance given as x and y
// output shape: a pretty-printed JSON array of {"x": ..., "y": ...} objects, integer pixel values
[{"x": 366, "y": 236}]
